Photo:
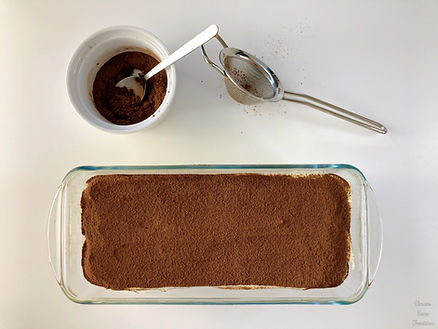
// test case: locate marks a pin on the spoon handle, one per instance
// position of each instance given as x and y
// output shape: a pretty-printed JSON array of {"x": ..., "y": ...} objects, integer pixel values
[
  {"x": 334, "y": 110},
  {"x": 184, "y": 50}
]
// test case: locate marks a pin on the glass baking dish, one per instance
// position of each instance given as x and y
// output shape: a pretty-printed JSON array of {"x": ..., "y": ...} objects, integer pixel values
[{"x": 65, "y": 241}]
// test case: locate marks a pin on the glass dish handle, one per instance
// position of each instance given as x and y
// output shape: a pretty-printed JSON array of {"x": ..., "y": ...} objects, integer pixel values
[
  {"x": 375, "y": 234},
  {"x": 54, "y": 235}
]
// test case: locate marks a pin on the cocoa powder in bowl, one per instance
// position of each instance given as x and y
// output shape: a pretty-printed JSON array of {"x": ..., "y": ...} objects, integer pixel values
[{"x": 120, "y": 105}]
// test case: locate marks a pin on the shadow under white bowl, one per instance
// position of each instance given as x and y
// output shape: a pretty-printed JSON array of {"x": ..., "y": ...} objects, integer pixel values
[{"x": 96, "y": 51}]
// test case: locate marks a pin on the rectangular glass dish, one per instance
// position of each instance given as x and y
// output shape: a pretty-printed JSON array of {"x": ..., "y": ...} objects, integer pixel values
[{"x": 66, "y": 240}]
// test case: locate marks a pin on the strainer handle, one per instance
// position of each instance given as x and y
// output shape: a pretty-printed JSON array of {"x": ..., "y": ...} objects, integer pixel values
[
  {"x": 334, "y": 110},
  {"x": 209, "y": 61}
]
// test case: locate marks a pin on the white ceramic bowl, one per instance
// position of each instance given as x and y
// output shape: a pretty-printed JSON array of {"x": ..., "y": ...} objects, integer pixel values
[{"x": 96, "y": 51}]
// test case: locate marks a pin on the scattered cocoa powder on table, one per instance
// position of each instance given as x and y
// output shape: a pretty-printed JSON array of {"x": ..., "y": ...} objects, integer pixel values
[
  {"x": 151, "y": 231},
  {"x": 120, "y": 105}
]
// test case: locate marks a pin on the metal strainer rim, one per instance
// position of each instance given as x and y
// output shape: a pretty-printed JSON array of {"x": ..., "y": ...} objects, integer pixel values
[{"x": 273, "y": 79}]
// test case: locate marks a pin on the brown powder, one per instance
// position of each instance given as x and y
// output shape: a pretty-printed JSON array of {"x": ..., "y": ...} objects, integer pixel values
[
  {"x": 151, "y": 231},
  {"x": 120, "y": 105}
]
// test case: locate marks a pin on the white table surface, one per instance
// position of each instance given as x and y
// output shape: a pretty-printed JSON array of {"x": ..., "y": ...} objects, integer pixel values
[{"x": 378, "y": 58}]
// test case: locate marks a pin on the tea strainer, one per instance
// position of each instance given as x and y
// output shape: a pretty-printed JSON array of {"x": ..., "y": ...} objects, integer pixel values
[{"x": 249, "y": 81}]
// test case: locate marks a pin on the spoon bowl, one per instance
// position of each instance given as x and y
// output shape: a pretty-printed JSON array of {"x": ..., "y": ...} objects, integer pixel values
[{"x": 135, "y": 82}]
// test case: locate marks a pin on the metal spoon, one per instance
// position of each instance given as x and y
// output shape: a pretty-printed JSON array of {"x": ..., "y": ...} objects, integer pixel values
[{"x": 137, "y": 81}]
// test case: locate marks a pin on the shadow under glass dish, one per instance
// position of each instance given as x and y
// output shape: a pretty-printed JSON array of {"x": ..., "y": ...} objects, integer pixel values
[{"x": 249, "y": 81}]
